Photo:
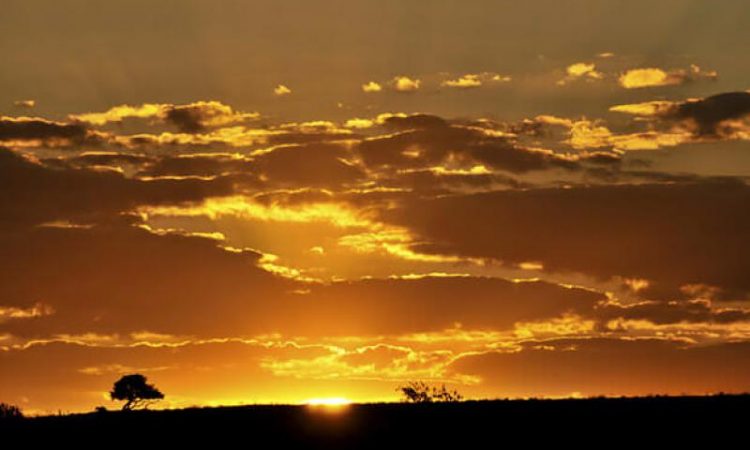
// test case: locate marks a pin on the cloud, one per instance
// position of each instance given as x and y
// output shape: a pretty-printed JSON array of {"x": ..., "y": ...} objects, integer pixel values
[
  {"x": 661, "y": 313},
  {"x": 586, "y": 134},
  {"x": 178, "y": 284},
  {"x": 428, "y": 141},
  {"x": 718, "y": 116},
  {"x": 581, "y": 70},
  {"x": 652, "y": 77},
  {"x": 405, "y": 84},
  {"x": 431, "y": 303},
  {"x": 281, "y": 90},
  {"x": 673, "y": 234},
  {"x": 195, "y": 117},
  {"x": 33, "y": 193},
  {"x": 37, "y": 310},
  {"x": 171, "y": 283},
  {"x": 652, "y": 108},
  {"x": 26, "y": 104},
  {"x": 99, "y": 159},
  {"x": 198, "y": 165},
  {"x": 372, "y": 86},
  {"x": 315, "y": 165},
  {"x": 118, "y": 113},
  {"x": 610, "y": 366},
  {"x": 471, "y": 80},
  {"x": 467, "y": 81},
  {"x": 712, "y": 113},
  {"x": 29, "y": 129},
  {"x": 190, "y": 118}
]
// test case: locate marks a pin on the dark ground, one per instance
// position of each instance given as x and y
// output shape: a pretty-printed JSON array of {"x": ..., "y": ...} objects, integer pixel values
[{"x": 652, "y": 422}]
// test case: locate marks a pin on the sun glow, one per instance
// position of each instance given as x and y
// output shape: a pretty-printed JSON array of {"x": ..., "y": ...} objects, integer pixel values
[{"x": 336, "y": 402}]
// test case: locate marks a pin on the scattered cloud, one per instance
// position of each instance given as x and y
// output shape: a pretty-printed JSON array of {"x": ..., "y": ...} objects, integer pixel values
[
  {"x": 405, "y": 84},
  {"x": 372, "y": 86},
  {"x": 653, "y": 77},
  {"x": 190, "y": 118},
  {"x": 26, "y": 104},
  {"x": 281, "y": 90},
  {"x": 581, "y": 70},
  {"x": 469, "y": 80}
]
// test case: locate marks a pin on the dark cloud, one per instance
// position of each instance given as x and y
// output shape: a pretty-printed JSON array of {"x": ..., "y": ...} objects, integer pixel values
[
  {"x": 716, "y": 116},
  {"x": 33, "y": 193},
  {"x": 120, "y": 279},
  {"x": 433, "y": 303},
  {"x": 187, "y": 285},
  {"x": 312, "y": 165},
  {"x": 197, "y": 165},
  {"x": 604, "y": 366},
  {"x": 673, "y": 234},
  {"x": 291, "y": 137},
  {"x": 425, "y": 181},
  {"x": 32, "y": 128},
  {"x": 663, "y": 313},
  {"x": 710, "y": 112},
  {"x": 415, "y": 121},
  {"x": 429, "y": 141},
  {"x": 188, "y": 119},
  {"x": 108, "y": 159}
]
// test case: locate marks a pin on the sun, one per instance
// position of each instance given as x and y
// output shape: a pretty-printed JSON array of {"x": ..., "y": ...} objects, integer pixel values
[{"x": 328, "y": 401}]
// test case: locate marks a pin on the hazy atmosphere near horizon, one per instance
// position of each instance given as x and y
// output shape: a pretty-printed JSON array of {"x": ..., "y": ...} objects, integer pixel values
[{"x": 266, "y": 201}]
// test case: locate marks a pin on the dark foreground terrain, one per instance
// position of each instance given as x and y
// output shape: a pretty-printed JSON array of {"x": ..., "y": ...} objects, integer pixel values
[{"x": 602, "y": 423}]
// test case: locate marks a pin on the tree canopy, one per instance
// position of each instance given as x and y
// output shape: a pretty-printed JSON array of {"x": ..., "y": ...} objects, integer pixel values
[{"x": 135, "y": 391}]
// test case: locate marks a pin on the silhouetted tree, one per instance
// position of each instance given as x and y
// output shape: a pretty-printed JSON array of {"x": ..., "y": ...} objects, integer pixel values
[
  {"x": 136, "y": 393},
  {"x": 10, "y": 412},
  {"x": 421, "y": 392}
]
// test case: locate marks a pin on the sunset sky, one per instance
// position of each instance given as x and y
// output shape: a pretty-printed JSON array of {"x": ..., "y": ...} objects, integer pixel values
[{"x": 265, "y": 201}]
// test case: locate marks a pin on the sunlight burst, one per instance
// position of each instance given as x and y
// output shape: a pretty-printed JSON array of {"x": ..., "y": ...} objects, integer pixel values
[{"x": 329, "y": 402}]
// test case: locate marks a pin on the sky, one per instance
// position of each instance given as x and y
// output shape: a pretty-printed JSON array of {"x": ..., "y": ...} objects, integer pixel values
[{"x": 269, "y": 202}]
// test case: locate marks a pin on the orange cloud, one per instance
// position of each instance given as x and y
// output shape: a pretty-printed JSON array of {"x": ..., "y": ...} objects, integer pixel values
[
  {"x": 281, "y": 90},
  {"x": 652, "y": 77},
  {"x": 405, "y": 84},
  {"x": 372, "y": 86},
  {"x": 581, "y": 70},
  {"x": 471, "y": 80},
  {"x": 191, "y": 117},
  {"x": 24, "y": 103}
]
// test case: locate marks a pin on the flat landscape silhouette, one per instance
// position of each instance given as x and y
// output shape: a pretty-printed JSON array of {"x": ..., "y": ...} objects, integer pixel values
[{"x": 600, "y": 421}]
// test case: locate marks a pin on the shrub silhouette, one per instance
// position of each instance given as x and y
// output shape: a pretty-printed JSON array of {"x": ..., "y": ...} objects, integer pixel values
[
  {"x": 136, "y": 393},
  {"x": 421, "y": 392},
  {"x": 10, "y": 412}
]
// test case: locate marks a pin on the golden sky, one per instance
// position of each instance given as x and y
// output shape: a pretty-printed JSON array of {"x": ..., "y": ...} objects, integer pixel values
[{"x": 270, "y": 202}]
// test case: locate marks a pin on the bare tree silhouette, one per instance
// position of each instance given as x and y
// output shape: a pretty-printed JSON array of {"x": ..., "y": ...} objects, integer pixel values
[
  {"x": 135, "y": 391},
  {"x": 421, "y": 392}
]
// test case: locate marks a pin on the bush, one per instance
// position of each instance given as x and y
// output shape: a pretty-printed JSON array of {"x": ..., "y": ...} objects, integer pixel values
[
  {"x": 10, "y": 412},
  {"x": 421, "y": 392}
]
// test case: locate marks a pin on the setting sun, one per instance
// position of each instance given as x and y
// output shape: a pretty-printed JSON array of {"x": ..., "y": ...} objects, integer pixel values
[{"x": 328, "y": 401}]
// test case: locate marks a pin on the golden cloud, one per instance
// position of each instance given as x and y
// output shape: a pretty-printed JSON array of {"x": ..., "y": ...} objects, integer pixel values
[
  {"x": 372, "y": 86},
  {"x": 405, "y": 84},
  {"x": 652, "y": 77},
  {"x": 281, "y": 90}
]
